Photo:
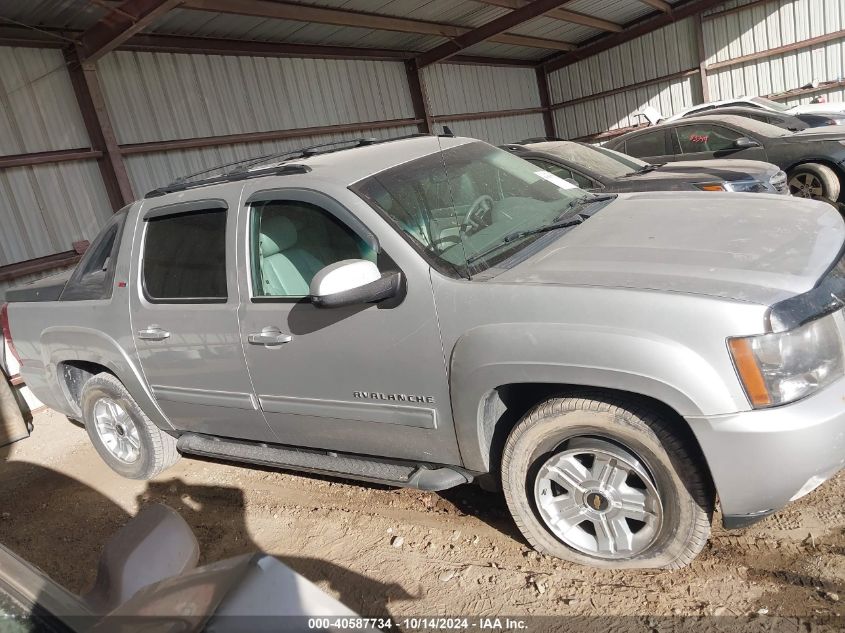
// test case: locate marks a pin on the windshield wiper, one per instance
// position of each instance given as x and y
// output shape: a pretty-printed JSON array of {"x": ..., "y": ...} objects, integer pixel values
[
  {"x": 645, "y": 169},
  {"x": 512, "y": 237},
  {"x": 598, "y": 197},
  {"x": 558, "y": 224}
]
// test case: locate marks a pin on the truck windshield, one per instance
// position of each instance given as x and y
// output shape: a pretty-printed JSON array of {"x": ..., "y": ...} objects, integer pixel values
[{"x": 455, "y": 204}]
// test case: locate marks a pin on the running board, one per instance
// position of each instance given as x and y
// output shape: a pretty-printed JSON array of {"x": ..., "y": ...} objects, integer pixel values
[{"x": 404, "y": 474}]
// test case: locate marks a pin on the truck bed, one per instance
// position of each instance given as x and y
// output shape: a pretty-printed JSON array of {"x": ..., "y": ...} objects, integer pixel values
[{"x": 46, "y": 289}]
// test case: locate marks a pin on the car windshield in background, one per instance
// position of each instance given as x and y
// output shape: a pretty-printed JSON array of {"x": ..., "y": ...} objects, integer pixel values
[
  {"x": 771, "y": 105},
  {"x": 458, "y": 203},
  {"x": 603, "y": 161}
]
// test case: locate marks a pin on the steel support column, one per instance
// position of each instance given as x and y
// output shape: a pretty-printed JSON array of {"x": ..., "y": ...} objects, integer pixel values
[{"x": 89, "y": 97}]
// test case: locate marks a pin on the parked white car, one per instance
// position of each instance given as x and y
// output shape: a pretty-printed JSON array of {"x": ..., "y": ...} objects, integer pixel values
[{"x": 763, "y": 104}]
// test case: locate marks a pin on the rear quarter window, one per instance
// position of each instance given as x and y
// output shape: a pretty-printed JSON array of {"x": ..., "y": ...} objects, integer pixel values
[{"x": 94, "y": 275}]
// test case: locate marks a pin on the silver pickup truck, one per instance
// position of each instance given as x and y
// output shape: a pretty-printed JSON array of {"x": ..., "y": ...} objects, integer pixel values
[{"x": 429, "y": 311}]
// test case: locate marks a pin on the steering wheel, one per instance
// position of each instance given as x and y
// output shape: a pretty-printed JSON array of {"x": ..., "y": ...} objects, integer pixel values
[
  {"x": 444, "y": 243},
  {"x": 474, "y": 218}
]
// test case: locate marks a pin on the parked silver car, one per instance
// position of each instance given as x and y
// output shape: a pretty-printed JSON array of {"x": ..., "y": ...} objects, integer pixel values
[{"x": 431, "y": 311}]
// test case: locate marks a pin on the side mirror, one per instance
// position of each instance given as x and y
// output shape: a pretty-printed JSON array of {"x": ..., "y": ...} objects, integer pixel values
[
  {"x": 352, "y": 282},
  {"x": 744, "y": 142}
]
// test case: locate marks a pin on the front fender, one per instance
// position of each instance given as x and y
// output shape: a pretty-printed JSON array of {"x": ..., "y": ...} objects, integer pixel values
[
  {"x": 488, "y": 357},
  {"x": 78, "y": 343}
]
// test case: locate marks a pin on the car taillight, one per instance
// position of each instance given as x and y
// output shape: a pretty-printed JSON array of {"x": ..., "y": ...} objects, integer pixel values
[{"x": 7, "y": 331}]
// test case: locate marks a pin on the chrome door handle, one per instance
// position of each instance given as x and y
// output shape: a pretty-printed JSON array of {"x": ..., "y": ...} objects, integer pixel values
[
  {"x": 153, "y": 333},
  {"x": 269, "y": 336}
]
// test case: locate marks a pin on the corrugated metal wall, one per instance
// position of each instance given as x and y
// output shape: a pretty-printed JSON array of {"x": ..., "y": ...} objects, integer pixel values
[
  {"x": 500, "y": 129},
  {"x": 163, "y": 96},
  {"x": 464, "y": 89},
  {"x": 44, "y": 208},
  {"x": 772, "y": 25},
  {"x": 664, "y": 52},
  {"x": 37, "y": 108}
]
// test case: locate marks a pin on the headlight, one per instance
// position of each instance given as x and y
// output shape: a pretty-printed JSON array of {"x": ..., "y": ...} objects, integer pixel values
[
  {"x": 784, "y": 367},
  {"x": 737, "y": 186},
  {"x": 778, "y": 182},
  {"x": 748, "y": 186}
]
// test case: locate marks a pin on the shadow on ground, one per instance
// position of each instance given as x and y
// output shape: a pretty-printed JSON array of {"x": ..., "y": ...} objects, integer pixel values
[{"x": 60, "y": 525}]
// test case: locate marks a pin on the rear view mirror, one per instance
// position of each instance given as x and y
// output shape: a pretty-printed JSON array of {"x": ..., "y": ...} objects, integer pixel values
[
  {"x": 744, "y": 142},
  {"x": 352, "y": 282}
]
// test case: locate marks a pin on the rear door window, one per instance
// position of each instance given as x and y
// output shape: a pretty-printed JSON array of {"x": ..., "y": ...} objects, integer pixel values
[
  {"x": 648, "y": 144},
  {"x": 185, "y": 258}
]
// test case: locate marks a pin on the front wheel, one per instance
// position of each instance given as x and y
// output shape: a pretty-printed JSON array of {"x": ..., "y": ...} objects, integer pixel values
[
  {"x": 815, "y": 181},
  {"x": 124, "y": 437},
  {"x": 603, "y": 484}
]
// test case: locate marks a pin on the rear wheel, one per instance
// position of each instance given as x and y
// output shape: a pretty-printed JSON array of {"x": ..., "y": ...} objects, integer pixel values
[
  {"x": 816, "y": 181},
  {"x": 122, "y": 434},
  {"x": 599, "y": 483}
]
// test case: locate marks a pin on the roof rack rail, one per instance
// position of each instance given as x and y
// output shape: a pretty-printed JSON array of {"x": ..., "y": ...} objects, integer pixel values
[
  {"x": 251, "y": 167},
  {"x": 538, "y": 139},
  {"x": 282, "y": 170}
]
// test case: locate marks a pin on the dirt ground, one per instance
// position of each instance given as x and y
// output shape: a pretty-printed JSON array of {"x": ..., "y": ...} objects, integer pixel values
[{"x": 403, "y": 552}]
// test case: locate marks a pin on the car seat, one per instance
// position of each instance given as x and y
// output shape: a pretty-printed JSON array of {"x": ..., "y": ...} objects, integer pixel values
[{"x": 286, "y": 268}]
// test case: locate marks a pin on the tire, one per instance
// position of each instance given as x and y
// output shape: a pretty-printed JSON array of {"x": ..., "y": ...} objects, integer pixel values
[
  {"x": 664, "y": 479},
  {"x": 121, "y": 433},
  {"x": 815, "y": 181}
]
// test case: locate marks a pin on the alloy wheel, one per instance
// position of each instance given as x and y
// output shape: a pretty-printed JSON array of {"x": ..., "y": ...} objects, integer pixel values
[
  {"x": 117, "y": 430},
  {"x": 598, "y": 498},
  {"x": 806, "y": 185}
]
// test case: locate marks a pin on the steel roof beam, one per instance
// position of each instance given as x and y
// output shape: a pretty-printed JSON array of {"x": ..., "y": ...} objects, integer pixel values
[
  {"x": 488, "y": 31},
  {"x": 119, "y": 24},
  {"x": 660, "y": 5},
  {"x": 564, "y": 15},
  {"x": 634, "y": 30},
  {"x": 359, "y": 19},
  {"x": 143, "y": 42}
]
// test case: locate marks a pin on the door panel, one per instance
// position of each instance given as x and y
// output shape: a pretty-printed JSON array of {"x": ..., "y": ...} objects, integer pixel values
[
  {"x": 185, "y": 319},
  {"x": 365, "y": 379}
]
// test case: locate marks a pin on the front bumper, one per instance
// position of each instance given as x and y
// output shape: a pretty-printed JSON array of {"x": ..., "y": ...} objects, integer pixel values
[{"x": 761, "y": 460}]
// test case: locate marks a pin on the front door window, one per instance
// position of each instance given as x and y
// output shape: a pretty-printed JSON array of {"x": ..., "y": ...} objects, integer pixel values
[
  {"x": 706, "y": 138},
  {"x": 292, "y": 241}
]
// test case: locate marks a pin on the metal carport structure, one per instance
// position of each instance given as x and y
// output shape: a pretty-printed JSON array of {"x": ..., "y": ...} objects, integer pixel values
[{"x": 101, "y": 100}]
